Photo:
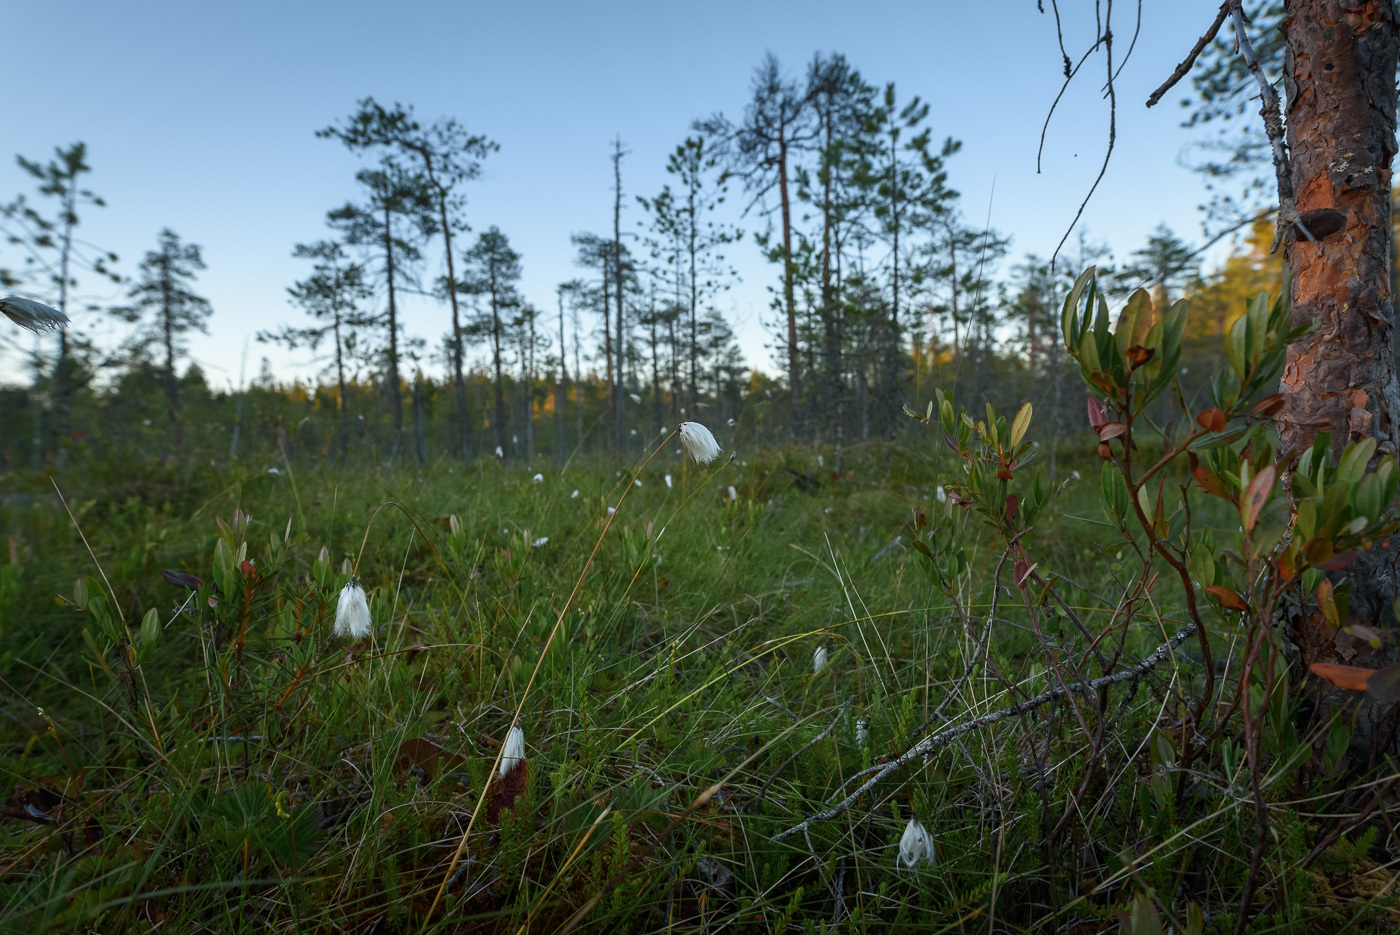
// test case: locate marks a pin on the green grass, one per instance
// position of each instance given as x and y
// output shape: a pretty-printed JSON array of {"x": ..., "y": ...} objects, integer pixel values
[{"x": 255, "y": 773}]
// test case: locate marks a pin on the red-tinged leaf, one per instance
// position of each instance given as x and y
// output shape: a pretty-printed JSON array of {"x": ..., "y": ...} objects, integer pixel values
[
  {"x": 180, "y": 579},
  {"x": 1023, "y": 571},
  {"x": 1140, "y": 355},
  {"x": 1338, "y": 561},
  {"x": 1288, "y": 565},
  {"x": 1211, "y": 482},
  {"x": 1352, "y": 678},
  {"x": 1104, "y": 382},
  {"x": 1212, "y": 420},
  {"x": 1319, "y": 551},
  {"x": 1256, "y": 495},
  {"x": 1111, "y": 430},
  {"x": 1384, "y": 685},
  {"x": 1105, "y": 452},
  {"x": 1012, "y": 502},
  {"x": 1097, "y": 415},
  {"x": 420, "y": 753},
  {"x": 1228, "y": 598},
  {"x": 249, "y": 571},
  {"x": 1269, "y": 405},
  {"x": 1004, "y": 474},
  {"x": 505, "y": 790},
  {"x": 1327, "y": 603}
]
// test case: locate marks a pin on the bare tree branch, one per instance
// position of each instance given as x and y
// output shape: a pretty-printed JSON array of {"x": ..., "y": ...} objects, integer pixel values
[
  {"x": 1190, "y": 60},
  {"x": 925, "y": 747}
]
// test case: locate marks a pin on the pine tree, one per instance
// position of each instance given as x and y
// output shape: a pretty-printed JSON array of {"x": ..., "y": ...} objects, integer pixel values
[
  {"x": 686, "y": 236},
  {"x": 54, "y": 256},
  {"x": 332, "y": 295},
  {"x": 395, "y": 218},
  {"x": 450, "y": 156},
  {"x": 166, "y": 309},
  {"x": 762, "y": 151},
  {"x": 493, "y": 272}
]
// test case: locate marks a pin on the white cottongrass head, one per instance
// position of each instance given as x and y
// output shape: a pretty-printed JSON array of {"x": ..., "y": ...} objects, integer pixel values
[
  {"x": 819, "y": 659},
  {"x": 668, "y": 481},
  {"x": 542, "y": 540},
  {"x": 352, "y": 612},
  {"x": 499, "y": 452},
  {"x": 612, "y": 510},
  {"x": 699, "y": 442},
  {"x": 514, "y": 752},
  {"x": 862, "y": 730},
  {"x": 733, "y": 494},
  {"x": 635, "y": 398},
  {"x": 574, "y": 495},
  {"x": 32, "y": 316},
  {"x": 538, "y": 479},
  {"x": 915, "y": 845},
  {"x": 941, "y": 494}
]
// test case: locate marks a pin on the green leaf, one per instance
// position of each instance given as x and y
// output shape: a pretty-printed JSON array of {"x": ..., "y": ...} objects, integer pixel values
[{"x": 1020, "y": 425}]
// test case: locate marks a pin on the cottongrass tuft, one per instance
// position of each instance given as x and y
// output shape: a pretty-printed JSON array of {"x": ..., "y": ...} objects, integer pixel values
[
  {"x": 733, "y": 494},
  {"x": 514, "y": 752},
  {"x": 32, "y": 316},
  {"x": 352, "y": 612},
  {"x": 499, "y": 453},
  {"x": 862, "y": 730},
  {"x": 941, "y": 494},
  {"x": 637, "y": 481},
  {"x": 538, "y": 479},
  {"x": 668, "y": 482},
  {"x": 819, "y": 659},
  {"x": 574, "y": 495},
  {"x": 699, "y": 442},
  {"x": 915, "y": 844}
]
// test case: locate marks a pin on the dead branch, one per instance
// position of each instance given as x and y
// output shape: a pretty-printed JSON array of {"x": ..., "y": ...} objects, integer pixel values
[
  {"x": 1190, "y": 60},
  {"x": 925, "y": 747}
]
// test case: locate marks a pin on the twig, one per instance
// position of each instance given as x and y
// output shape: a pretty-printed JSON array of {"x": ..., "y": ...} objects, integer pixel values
[
  {"x": 926, "y": 746},
  {"x": 805, "y": 747},
  {"x": 1107, "y": 39},
  {"x": 977, "y": 654},
  {"x": 1273, "y": 126},
  {"x": 1190, "y": 60}
]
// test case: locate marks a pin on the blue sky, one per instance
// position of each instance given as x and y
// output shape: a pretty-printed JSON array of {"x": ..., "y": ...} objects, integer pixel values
[{"x": 201, "y": 117}]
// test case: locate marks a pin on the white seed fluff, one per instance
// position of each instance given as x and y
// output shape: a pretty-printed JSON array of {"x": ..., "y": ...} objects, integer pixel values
[
  {"x": 538, "y": 479},
  {"x": 819, "y": 659},
  {"x": 32, "y": 316},
  {"x": 514, "y": 753},
  {"x": 352, "y": 612},
  {"x": 699, "y": 442},
  {"x": 915, "y": 844},
  {"x": 668, "y": 481}
]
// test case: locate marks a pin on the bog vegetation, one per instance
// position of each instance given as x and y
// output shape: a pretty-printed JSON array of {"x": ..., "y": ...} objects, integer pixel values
[
  {"x": 1004, "y": 607},
  {"x": 931, "y": 691}
]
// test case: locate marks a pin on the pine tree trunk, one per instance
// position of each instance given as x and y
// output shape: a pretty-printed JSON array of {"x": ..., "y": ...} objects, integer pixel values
[
  {"x": 395, "y": 390},
  {"x": 1339, "y": 80},
  {"x": 464, "y": 418},
  {"x": 621, "y": 395},
  {"x": 172, "y": 385},
  {"x": 420, "y": 437},
  {"x": 340, "y": 382},
  {"x": 790, "y": 302},
  {"x": 499, "y": 416}
]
